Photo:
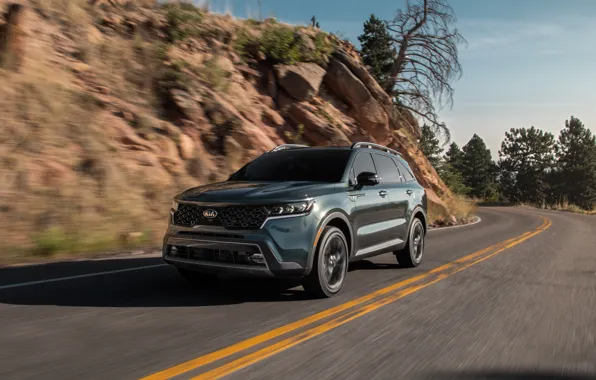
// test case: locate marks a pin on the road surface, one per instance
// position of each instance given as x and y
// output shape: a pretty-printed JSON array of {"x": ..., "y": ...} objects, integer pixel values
[{"x": 512, "y": 297}]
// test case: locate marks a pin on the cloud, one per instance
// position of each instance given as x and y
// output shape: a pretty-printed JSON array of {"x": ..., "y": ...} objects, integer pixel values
[
  {"x": 522, "y": 105},
  {"x": 544, "y": 38}
]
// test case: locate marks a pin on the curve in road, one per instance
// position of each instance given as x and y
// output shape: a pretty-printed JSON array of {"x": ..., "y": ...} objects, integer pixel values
[{"x": 458, "y": 314}]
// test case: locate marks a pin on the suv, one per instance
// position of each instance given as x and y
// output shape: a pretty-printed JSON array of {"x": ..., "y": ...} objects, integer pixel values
[{"x": 300, "y": 212}]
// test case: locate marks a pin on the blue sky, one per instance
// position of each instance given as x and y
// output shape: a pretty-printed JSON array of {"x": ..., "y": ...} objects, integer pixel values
[{"x": 527, "y": 62}]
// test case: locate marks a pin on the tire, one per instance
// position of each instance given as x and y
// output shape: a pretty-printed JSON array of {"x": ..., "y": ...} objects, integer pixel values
[
  {"x": 330, "y": 265},
  {"x": 197, "y": 278},
  {"x": 411, "y": 255}
]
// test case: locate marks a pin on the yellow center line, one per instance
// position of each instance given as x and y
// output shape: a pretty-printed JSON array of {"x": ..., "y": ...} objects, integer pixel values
[
  {"x": 270, "y": 335},
  {"x": 292, "y": 341}
]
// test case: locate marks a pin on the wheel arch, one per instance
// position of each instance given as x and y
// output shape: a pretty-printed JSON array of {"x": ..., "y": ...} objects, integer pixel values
[
  {"x": 419, "y": 213},
  {"x": 337, "y": 219}
]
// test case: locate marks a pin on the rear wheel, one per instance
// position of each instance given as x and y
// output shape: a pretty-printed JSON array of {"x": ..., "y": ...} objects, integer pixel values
[
  {"x": 411, "y": 255},
  {"x": 197, "y": 277},
  {"x": 330, "y": 266}
]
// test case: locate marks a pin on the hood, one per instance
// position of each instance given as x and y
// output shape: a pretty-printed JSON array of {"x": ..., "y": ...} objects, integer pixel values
[{"x": 255, "y": 192}]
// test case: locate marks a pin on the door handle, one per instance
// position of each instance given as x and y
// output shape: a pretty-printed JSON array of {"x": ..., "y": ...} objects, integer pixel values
[
  {"x": 383, "y": 193},
  {"x": 409, "y": 192}
]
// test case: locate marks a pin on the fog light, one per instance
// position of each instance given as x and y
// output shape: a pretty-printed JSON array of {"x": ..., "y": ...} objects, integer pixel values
[
  {"x": 257, "y": 258},
  {"x": 173, "y": 251}
]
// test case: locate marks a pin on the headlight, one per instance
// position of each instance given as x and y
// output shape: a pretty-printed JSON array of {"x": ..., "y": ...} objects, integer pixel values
[
  {"x": 290, "y": 208},
  {"x": 175, "y": 206}
]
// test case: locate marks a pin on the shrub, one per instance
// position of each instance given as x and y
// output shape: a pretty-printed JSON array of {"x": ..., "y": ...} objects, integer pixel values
[
  {"x": 278, "y": 42},
  {"x": 285, "y": 44},
  {"x": 184, "y": 20},
  {"x": 323, "y": 49},
  {"x": 51, "y": 241},
  {"x": 297, "y": 137}
]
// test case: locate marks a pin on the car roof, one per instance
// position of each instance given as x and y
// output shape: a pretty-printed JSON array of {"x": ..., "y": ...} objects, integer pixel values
[{"x": 343, "y": 147}]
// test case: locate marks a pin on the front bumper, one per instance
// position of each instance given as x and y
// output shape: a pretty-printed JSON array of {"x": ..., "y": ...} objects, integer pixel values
[{"x": 282, "y": 247}]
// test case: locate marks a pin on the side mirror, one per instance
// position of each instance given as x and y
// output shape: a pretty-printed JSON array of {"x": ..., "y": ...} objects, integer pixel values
[{"x": 367, "y": 179}]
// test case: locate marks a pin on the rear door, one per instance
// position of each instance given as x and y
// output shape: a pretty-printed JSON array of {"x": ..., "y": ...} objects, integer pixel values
[
  {"x": 409, "y": 190},
  {"x": 393, "y": 184},
  {"x": 370, "y": 208}
]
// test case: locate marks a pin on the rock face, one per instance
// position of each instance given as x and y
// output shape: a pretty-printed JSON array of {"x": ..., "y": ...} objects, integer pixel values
[
  {"x": 300, "y": 81},
  {"x": 169, "y": 120},
  {"x": 365, "y": 108}
]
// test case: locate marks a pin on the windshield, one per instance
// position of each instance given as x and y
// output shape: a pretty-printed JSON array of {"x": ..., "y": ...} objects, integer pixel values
[{"x": 296, "y": 165}]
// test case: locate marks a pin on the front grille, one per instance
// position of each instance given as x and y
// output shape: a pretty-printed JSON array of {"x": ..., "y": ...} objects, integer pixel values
[{"x": 230, "y": 217}]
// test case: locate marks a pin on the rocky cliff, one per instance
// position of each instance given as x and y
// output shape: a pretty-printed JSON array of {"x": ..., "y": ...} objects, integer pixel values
[{"x": 109, "y": 108}]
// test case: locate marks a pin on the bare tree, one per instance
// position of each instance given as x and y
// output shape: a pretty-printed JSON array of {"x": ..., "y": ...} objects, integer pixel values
[{"x": 427, "y": 58}]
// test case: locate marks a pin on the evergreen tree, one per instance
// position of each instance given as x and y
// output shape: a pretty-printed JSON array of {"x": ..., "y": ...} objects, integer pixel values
[
  {"x": 450, "y": 170},
  {"x": 453, "y": 179},
  {"x": 454, "y": 157},
  {"x": 526, "y": 158},
  {"x": 577, "y": 164},
  {"x": 477, "y": 167},
  {"x": 377, "y": 51},
  {"x": 430, "y": 146}
]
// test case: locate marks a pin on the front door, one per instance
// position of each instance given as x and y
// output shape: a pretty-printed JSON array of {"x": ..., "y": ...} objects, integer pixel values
[{"x": 371, "y": 210}]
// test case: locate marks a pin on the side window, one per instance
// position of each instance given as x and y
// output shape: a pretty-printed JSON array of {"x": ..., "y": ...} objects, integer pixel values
[
  {"x": 363, "y": 163},
  {"x": 405, "y": 172},
  {"x": 387, "y": 169}
]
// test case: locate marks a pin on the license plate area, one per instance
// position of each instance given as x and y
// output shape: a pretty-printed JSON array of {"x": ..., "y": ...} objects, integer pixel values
[{"x": 249, "y": 256}]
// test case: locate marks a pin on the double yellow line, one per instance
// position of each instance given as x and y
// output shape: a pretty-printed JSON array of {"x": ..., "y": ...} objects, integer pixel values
[{"x": 335, "y": 316}]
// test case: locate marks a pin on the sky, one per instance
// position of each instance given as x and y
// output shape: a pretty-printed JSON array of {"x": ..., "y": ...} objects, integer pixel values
[{"x": 526, "y": 62}]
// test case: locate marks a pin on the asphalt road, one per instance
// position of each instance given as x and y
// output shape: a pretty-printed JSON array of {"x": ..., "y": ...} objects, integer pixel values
[{"x": 512, "y": 297}]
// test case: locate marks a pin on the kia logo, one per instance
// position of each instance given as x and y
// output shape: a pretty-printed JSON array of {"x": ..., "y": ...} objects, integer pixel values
[{"x": 209, "y": 214}]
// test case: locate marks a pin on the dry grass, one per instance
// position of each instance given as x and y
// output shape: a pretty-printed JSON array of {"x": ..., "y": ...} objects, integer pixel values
[
  {"x": 568, "y": 207},
  {"x": 64, "y": 185},
  {"x": 464, "y": 209}
]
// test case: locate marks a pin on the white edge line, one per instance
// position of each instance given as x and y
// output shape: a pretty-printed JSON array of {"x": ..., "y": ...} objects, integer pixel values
[
  {"x": 22, "y": 284},
  {"x": 478, "y": 220}
]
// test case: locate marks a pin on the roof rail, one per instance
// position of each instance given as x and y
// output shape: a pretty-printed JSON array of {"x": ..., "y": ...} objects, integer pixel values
[
  {"x": 364, "y": 144},
  {"x": 288, "y": 146}
]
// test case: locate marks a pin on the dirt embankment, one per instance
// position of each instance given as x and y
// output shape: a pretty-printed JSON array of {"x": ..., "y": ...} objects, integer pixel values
[{"x": 109, "y": 108}]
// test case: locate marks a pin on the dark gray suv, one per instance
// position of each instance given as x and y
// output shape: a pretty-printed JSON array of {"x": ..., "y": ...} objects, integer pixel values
[{"x": 301, "y": 212}]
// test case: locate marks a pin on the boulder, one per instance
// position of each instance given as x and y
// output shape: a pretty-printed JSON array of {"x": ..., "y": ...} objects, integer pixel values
[
  {"x": 272, "y": 117},
  {"x": 228, "y": 121},
  {"x": 317, "y": 130},
  {"x": 301, "y": 81},
  {"x": 186, "y": 146},
  {"x": 365, "y": 108},
  {"x": 188, "y": 105},
  {"x": 396, "y": 119},
  {"x": 234, "y": 153}
]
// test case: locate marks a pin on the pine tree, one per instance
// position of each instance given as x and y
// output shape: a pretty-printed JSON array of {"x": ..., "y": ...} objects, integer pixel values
[
  {"x": 450, "y": 170},
  {"x": 430, "y": 146},
  {"x": 476, "y": 167},
  {"x": 377, "y": 51},
  {"x": 453, "y": 179},
  {"x": 526, "y": 158},
  {"x": 577, "y": 164},
  {"x": 454, "y": 156}
]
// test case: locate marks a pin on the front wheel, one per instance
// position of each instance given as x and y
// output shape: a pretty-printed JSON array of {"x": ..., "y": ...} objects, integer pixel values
[
  {"x": 411, "y": 255},
  {"x": 330, "y": 266}
]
